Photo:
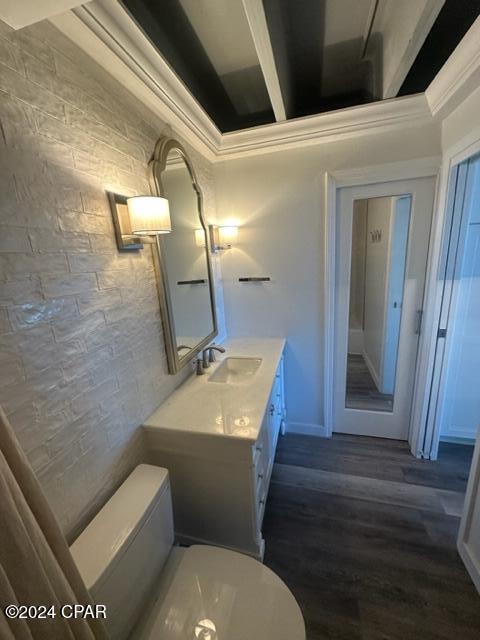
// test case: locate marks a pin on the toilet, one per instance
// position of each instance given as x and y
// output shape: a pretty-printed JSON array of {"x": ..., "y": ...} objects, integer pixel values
[{"x": 154, "y": 590}]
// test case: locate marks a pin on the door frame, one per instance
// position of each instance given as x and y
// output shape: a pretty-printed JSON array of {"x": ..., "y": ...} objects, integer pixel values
[
  {"x": 427, "y": 436},
  {"x": 332, "y": 181},
  {"x": 472, "y": 497}
]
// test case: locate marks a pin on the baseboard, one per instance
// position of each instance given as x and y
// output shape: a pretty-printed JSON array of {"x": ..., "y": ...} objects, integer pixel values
[
  {"x": 307, "y": 429},
  {"x": 471, "y": 563},
  {"x": 372, "y": 370},
  {"x": 188, "y": 541},
  {"x": 458, "y": 440}
]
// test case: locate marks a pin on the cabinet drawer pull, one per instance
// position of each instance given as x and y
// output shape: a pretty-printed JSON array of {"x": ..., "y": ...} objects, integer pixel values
[
  {"x": 272, "y": 409},
  {"x": 260, "y": 476},
  {"x": 259, "y": 447},
  {"x": 262, "y": 501}
]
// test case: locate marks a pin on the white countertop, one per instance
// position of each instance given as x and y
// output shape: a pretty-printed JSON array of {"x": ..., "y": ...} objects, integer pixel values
[{"x": 223, "y": 409}]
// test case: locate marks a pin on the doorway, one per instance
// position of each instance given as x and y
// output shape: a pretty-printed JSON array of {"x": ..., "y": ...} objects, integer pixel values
[
  {"x": 382, "y": 236},
  {"x": 454, "y": 411}
]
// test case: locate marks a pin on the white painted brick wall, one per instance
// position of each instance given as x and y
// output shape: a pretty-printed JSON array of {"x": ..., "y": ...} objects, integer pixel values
[{"x": 82, "y": 359}]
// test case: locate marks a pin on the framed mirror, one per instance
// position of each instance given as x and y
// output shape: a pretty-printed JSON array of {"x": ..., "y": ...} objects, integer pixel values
[
  {"x": 380, "y": 229},
  {"x": 184, "y": 272}
]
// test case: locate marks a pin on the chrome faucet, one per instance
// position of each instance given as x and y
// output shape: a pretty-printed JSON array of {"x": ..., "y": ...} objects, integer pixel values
[{"x": 208, "y": 355}]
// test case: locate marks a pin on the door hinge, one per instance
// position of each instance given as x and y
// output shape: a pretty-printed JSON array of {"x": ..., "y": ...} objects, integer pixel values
[
  {"x": 442, "y": 333},
  {"x": 418, "y": 322}
]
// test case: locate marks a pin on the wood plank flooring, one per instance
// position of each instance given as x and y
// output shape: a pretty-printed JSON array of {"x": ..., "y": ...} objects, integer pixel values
[
  {"x": 365, "y": 537},
  {"x": 362, "y": 392}
]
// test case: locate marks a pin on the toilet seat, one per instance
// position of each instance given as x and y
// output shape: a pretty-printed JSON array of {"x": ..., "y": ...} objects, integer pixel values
[{"x": 212, "y": 593}]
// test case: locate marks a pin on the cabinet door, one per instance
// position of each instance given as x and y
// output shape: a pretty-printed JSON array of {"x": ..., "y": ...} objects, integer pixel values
[{"x": 276, "y": 407}]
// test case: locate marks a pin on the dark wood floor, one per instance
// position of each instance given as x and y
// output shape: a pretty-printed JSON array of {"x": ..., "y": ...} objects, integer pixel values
[
  {"x": 362, "y": 392},
  {"x": 364, "y": 535}
]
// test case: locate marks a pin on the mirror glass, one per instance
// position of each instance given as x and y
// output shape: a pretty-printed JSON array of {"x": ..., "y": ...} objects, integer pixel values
[
  {"x": 380, "y": 229},
  {"x": 185, "y": 260}
]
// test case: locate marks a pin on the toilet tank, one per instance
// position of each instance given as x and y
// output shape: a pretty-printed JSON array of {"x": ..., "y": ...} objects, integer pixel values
[{"x": 121, "y": 553}]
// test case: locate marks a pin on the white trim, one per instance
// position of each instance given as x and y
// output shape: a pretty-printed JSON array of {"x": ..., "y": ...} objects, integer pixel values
[
  {"x": 307, "y": 429},
  {"x": 188, "y": 541},
  {"x": 427, "y": 437},
  {"x": 464, "y": 148},
  {"x": 372, "y": 370},
  {"x": 404, "y": 170},
  {"x": 105, "y": 31},
  {"x": 458, "y": 77},
  {"x": 353, "y": 122},
  {"x": 258, "y": 27},
  {"x": 467, "y": 441},
  {"x": 375, "y": 174},
  {"x": 329, "y": 249}
]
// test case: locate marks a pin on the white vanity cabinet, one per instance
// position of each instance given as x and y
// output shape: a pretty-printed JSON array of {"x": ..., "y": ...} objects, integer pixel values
[
  {"x": 265, "y": 447},
  {"x": 220, "y": 480}
]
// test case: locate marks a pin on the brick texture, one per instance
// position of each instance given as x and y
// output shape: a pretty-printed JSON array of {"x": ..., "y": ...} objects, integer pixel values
[{"x": 82, "y": 357}]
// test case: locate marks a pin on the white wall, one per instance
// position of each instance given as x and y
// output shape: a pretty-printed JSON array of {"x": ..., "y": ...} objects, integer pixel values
[
  {"x": 462, "y": 122},
  {"x": 276, "y": 198},
  {"x": 82, "y": 358}
]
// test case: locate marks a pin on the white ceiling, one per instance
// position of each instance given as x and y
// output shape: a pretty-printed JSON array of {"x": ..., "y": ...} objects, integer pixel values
[
  {"x": 21, "y": 13},
  {"x": 223, "y": 30},
  {"x": 346, "y": 27},
  {"x": 346, "y": 20}
]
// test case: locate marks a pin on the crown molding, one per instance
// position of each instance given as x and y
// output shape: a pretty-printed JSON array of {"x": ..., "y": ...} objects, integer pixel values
[
  {"x": 327, "y": 127},
  {"x": 107, "y": 33},
  {"x": 402, "y": 170},
  {"x": 458, "y": 77}
]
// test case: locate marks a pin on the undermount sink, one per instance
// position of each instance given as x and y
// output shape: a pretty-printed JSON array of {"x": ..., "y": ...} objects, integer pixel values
[{"x": 235, "y": 370}]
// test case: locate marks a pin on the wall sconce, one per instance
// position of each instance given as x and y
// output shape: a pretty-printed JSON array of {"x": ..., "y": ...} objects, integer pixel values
[
  {"x": 222, "y": 238},
  {"x": 138, "y": 216}
]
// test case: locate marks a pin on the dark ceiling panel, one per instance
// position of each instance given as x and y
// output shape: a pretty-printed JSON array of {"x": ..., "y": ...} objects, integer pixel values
[
  {"x": 452, "y": 23},
  {"x": 318, "y": 69},
  {"x": 297, "y": 33},
  {"x": 168, "y": 28},
  {"x": 297, "y": 30}
]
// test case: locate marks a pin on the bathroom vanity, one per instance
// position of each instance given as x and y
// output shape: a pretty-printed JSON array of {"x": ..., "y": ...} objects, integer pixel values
[{"x": 217, "y": 436}]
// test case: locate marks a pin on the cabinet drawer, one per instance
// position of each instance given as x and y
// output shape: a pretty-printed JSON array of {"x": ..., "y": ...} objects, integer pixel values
[
  {"x": 261, "y": 499},
  {"x": 261, "y": 451}
]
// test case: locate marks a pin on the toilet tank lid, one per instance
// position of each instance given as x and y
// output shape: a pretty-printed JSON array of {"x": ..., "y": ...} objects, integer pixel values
[{"x": 105, "y": 539}]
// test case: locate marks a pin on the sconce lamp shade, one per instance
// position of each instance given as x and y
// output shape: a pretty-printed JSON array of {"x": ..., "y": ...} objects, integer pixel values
[
  {"x": 227, "y": 235},
  {"x": 149, "y": 215}
]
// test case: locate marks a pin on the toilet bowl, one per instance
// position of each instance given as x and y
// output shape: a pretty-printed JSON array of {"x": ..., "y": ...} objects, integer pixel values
[{"x": 155, "y": 590}]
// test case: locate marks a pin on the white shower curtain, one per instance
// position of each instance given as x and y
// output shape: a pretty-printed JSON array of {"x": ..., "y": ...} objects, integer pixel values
[{"x": 36, "y": 567}]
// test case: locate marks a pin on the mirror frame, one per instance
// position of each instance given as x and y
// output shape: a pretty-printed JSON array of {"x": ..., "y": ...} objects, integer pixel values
[{"x": 157, "y": 166}]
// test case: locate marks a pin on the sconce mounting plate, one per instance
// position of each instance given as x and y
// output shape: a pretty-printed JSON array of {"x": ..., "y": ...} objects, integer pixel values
[{"x": 126, "y": 241}]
